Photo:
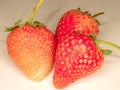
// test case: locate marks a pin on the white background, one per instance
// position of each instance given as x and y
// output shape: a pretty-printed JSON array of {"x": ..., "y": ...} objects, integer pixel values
[{"x": 106, "y": 78}]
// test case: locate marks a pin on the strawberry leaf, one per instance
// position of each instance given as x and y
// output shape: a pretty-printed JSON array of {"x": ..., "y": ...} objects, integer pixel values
[{"x": 107, "y": 51}]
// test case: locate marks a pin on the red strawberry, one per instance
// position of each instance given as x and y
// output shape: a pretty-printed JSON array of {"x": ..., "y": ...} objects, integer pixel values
[
  {"x": 76, "y": 56},
  {"x": 75, "y": 20},
  {"x": 32, "y": 47}
]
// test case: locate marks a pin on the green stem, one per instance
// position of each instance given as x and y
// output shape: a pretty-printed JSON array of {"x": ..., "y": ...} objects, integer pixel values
[
  {"x": 95, "y": 15},
  {"x": 34, "y": 11},
  {"x": 108, "y": 43}
]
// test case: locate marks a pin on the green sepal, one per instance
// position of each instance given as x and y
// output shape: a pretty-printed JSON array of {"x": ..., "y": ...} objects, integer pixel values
[
  {"x": 37, "y": 23},
  {"x": 7, "y": 29},
  {"x": 106, "y": 51},
  {"x": 88, "y": 13},
  {"x": 17, "y": 24},
  {"x": 93, "y": 36},
  {"x": 79, "y": 9},
  {"x": 97, "y": 21}
]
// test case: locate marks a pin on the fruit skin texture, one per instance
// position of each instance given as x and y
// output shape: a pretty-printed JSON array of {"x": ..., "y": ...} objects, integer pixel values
[
  {"x": 32, "y": 49},
  {"x": 76, "y": 56},
  {"x": 75, "y": 20}
]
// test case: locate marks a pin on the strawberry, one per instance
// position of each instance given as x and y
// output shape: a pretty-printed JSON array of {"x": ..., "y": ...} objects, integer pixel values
[
  {"x": 32, "y": 47},
  {"x": 76, "y": 56},
  {"x": 78, "y": 21}
]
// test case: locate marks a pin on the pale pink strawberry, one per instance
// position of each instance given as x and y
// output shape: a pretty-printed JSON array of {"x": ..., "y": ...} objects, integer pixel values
[{"x": 31, "y": 45}]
